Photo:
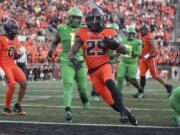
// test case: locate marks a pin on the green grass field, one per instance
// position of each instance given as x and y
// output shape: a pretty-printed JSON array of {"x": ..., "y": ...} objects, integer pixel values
[{"x": 44, "y": 103}]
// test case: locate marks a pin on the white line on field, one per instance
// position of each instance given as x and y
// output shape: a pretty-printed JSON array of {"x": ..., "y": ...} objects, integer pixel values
[
  {"x": 76, "y": 96},
  {"x": 95, "y": 108},
  {"x": 79, "y": 124}
]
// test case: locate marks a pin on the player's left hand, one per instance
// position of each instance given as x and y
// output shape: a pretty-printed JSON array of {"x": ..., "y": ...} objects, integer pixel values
[
  {"x": 77, "y": 64},
  {"x": 49, "y": 56}
]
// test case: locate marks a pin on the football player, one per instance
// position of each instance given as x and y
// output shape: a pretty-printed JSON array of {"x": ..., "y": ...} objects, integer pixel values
[
  {"x": 129, "y": 62},
  {"x": 66, "y": 35},
  {"x": 174, "y": 101},
  {"x": 147, "y": 61},
  {"x": 95, "y": 40},
  {"x": 9, "y": 50}
]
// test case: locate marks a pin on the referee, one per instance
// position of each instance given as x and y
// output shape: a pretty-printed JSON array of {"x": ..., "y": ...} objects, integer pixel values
[{"x": 22, "y": 61}]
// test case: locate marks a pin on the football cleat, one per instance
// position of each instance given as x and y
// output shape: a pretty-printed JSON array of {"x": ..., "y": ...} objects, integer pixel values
[
  {"x": 95, "y": 98},
  {"x": 177, "y": 120},
  {"x": 123, "y": 117},
  {"x": 138, "y": 95},
  {"x": 68, "y": 116},
  {"x": 8, "y": 112},
  {"x": 18, "y": 109},
  {"x": 86, "y": 105},
  {"x": 131, "y": 117},
  {"x": 127, "y": 116}
]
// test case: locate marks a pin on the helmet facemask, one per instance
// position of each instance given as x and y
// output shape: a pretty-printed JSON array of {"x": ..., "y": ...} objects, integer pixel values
[
  {"x": 131, "y": 33},
  {"x": 74, "y": 21},
  {"x": 95, "y": 19},
  {"x": 74, "y": 17}
]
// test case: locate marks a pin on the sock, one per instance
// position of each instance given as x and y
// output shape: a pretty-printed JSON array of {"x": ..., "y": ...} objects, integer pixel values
[
  {"x": 135, "y": 83},
  {"x": 168, "y": 88},
  {"x": 117, "y": 96},
  {"x": 143, "y": 82},
  {"x": 84, "y": 99},
  {"x": 68, "y": 109},
  {"x": 9, "y": 94}
]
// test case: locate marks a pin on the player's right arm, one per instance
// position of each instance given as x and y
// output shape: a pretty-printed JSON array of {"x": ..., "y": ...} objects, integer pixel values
[
  {"x": 113, "y": 43},
  {"x": 153, "y": 48},
  {"x": 54, "y": 45},
  {"x": 75, "y": 48}
]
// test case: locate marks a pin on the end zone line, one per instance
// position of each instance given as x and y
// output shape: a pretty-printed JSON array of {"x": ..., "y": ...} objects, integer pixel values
[{"x": 80, "y": 124}]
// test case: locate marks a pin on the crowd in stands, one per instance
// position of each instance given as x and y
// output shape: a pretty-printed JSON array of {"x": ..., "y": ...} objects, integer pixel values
[{"x": 40, "y": 18}]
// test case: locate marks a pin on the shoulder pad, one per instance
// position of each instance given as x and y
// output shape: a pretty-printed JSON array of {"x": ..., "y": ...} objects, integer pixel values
[
  {"x": 137, "y": 41},
  {"x": 59, "y": 27}
]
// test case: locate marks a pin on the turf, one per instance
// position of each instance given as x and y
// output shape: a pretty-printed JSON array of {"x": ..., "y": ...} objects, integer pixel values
[{"x": 44, "y": 103}]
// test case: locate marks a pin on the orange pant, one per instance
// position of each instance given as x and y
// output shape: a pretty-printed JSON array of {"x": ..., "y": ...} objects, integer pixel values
[
  {"x": 99, "y": 78},
  {"x": 150, "y": 64},
  {"x": 14, "y": 74}
]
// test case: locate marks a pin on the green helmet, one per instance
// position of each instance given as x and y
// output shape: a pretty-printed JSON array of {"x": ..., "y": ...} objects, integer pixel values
[
  {"x": 130, "y": 30},
  {"x": 131, "y": 33},
  {"x": 74, "y": 17},
  {"x": 114, "y": 26}
]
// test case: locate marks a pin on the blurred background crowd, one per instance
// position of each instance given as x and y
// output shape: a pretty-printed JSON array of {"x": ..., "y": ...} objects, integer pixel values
[{"x": 38, "y": 20}]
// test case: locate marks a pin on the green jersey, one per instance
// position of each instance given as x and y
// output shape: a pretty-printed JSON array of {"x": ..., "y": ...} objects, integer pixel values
[
  {"x": 67, "y": 35},
  {"x": 135, "y": 47}
]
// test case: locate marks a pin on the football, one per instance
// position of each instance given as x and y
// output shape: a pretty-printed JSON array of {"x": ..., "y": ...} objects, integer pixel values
[
  {"x": 110, "y": 42},
  {"x": 17, "y": 55}
]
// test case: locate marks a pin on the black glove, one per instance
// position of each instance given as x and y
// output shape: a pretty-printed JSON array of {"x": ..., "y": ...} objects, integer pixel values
[
  {"x": 49, "y": 56},
  {"x": 77, "y": 64},
  {"x": 112, "y": 57}
]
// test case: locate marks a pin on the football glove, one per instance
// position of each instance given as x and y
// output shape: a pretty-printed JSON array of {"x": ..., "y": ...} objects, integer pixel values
[
  {"x": 50, "y": 54},
  {"x": 146, "y": 56},
  {"x": 76, "y": 63}
]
